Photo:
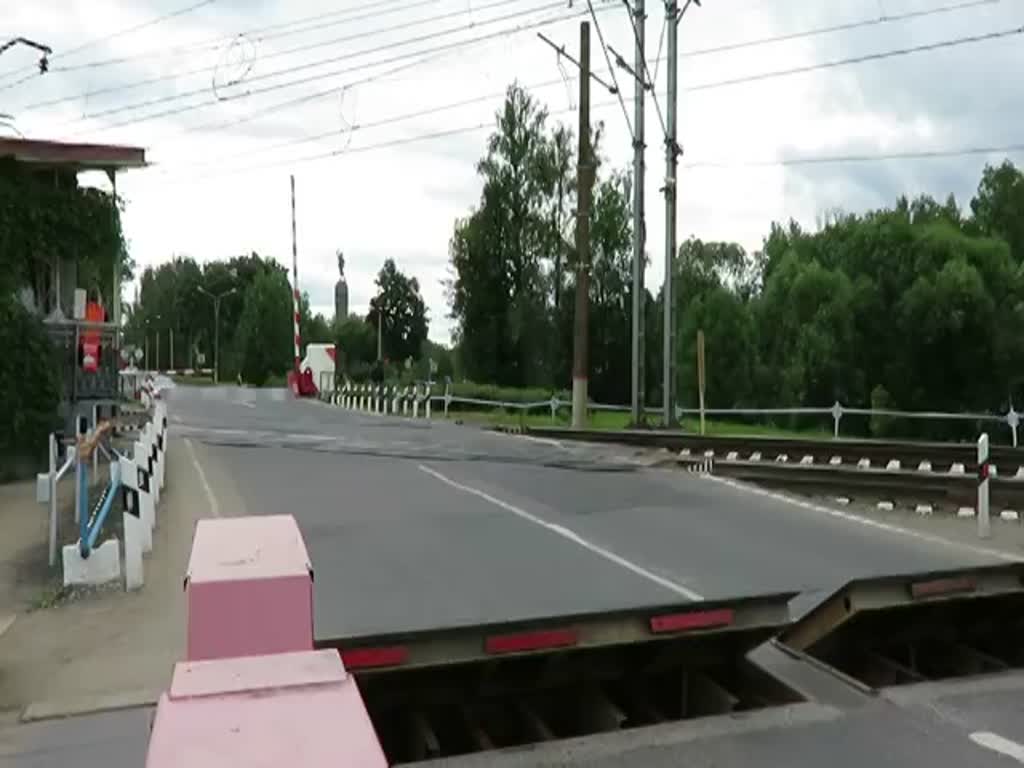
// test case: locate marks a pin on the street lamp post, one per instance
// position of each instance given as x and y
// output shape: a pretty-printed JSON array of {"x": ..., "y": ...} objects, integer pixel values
[{"x": 216, "y": 328}]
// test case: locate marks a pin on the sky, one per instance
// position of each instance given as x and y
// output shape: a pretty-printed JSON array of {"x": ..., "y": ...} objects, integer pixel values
[{"x": 231, "y": 97}]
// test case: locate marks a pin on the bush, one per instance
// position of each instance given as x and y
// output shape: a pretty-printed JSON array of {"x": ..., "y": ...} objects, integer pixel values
[
  {"x": 504, "y": 394},
  {"x": 29, "y": 386}
]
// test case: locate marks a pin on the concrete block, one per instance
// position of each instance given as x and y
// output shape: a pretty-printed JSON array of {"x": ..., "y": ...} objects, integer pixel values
[
  {"x": 957, "y": 469},
  {"x": 808, "y": 459},
  {"x": 781, "y": 458},
  {"x": 102, "y": 565},
  {"x": 864, "y": 464},
  {"x": 924, "y": 509},
  {"x": 924, "y": 466},
  {"x": 893, "y": 465},
  {"x": 844, "y": 500},
  {"x": 43, "y": 487},
  {"x": 965, "y": 512},
  {"x": 885, "y": 506},
  {"x": 287, "y": 709},
  {"x": 684, "y": 452},
  {"x": 709, "y": 454},
  {"x": 1010, "y": 515},
  {"x": 732, "y": 456},
  {"x": 755, "y": 456},
  {"x": 133, "y": 532},
  {"x": 835, "y": 461},
  {"x": 249, "y": 588}
]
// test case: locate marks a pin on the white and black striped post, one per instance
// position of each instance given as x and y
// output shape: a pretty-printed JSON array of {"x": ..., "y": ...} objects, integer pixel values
[{"x": 984, "y": 473}]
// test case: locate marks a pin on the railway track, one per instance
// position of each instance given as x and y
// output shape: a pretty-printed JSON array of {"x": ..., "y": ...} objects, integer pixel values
[
  {"x": 921, "y": 474},
  {"x": 939, "y": 456}
]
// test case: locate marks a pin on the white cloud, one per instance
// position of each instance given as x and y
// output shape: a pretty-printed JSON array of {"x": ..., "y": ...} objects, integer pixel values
[{"x": 401, "y": 201}]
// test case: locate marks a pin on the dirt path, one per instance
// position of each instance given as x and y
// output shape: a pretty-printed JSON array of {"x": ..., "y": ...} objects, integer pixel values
[{"x": 108, "y": 647}]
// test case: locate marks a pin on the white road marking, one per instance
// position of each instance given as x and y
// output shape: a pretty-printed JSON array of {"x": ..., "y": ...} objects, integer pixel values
[
  {"x": 865, "y": 521},
  {"x": 176, "y": 418},
  {"x": 572, "y": 536},
  {"x": 246, "y": 403},
  {"x": 997, "y": 743},
  {"x": 210, "y": 498}
]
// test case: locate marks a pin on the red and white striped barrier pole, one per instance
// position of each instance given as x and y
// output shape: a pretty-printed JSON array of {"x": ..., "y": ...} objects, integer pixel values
[{"x": 295, "y": 291}]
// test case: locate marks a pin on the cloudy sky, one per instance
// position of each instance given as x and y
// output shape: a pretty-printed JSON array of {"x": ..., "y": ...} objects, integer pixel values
[{"x": 229, "y": 97}]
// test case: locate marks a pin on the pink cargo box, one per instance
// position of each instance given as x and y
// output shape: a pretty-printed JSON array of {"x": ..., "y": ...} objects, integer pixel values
[
  {"x": 249, "y": 588},
  {"x": 292, "y": 709}
]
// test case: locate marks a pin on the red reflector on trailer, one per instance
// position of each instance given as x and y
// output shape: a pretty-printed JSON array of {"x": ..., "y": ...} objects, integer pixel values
[
  {"x": 942, "y": 587},
  {"x": 681, "y": 622},
  {"x": 531, "y": 641},
  {"x": 367, "y": 658}
]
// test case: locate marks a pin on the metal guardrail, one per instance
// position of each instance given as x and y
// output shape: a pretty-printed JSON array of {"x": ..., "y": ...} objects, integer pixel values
[{"x": 837, "y": 411}]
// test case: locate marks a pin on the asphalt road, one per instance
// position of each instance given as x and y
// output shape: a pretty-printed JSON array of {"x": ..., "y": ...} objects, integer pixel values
[{"x": 414, "y": 525}]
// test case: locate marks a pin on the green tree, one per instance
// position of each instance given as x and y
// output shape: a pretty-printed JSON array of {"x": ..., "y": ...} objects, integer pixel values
[
  {"x": 404, "y": 313},
  {"x": 264, "y": 344},
  {"x": 29, "y": 388},
  {"x": 356, "y": 341},
  {"x": 998, "y": 206},
  {"x": 500, "y": 293}
]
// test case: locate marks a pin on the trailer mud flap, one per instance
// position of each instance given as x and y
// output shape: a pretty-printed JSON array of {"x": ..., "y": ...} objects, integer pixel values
[
  {"x": 915, "y": 628},
  {"x": 473, "y": 689}
]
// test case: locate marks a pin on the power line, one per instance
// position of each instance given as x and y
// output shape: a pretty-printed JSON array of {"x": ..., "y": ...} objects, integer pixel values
[
  {"x": 608, "y": 61},
  {"x": 105, "y": 38},
  {"x": 321, "y": 62},
  {"x": 845, "y": 27},
  {"x": 645, "y": 76},
  {"x": 278, "y": 106},
  {"x": 425, "y": 112},
  {"x": 940, "y": 153},
  {"x": 276, "y": 54},
  {"x": 709, "y": 86},
  {"x": 951, "y": 43},
  {"x": 928, "y": 154},
  {"x": 216, "y": 42}
]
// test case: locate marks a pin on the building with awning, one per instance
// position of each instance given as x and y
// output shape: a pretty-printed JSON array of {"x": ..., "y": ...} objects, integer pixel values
[{"x": 53, "y": 289}]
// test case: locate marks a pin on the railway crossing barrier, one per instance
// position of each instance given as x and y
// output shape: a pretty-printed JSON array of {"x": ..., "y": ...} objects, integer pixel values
[{"x": 135, "y": 480}]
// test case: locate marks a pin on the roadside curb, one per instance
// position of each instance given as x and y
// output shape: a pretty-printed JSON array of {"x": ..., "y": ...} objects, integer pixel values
[
  {"x": 6, "y": 622},
  {"x": 85, "y": 705}
]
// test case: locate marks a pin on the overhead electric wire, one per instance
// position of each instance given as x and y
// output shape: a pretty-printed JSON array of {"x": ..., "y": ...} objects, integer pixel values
[
  {"x": 111, "y": 36},
  {"x": 264, "y": 57},
  {"x": 321, "y": 62},
  {"x": 611, "y": 68},
  {"x": 951, "y": 43},
  {"x": 213, "y": 43},
  {"x": 278, "y": 106},
  {"x": 302, "y": 81},
  {"x": 926, "y": 154},
  {"x": 824, "y": 65},
  {"x": 845, "y": 27},
  {"x": 709, "y": 164},
  {"x": 365, "y": 126},
  {"x": 646, "y": 74}
]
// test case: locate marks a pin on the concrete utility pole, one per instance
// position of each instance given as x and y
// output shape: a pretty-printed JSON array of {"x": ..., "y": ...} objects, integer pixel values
[
  {"x": 170, "y": 333},
  {"x": 671, "y": 161},
  {"x": 639, "y": 227},
  {"x": 585, "y": 178}
]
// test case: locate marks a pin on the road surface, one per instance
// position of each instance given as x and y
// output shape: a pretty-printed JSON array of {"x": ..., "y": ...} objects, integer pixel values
[{"x": 414, "y": 525}]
